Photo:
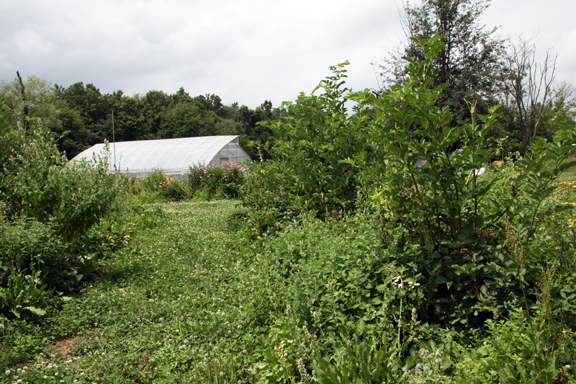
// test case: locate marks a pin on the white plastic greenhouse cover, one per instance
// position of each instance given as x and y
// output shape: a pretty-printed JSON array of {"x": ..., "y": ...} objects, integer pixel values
[{"x": 173, "y": 156}]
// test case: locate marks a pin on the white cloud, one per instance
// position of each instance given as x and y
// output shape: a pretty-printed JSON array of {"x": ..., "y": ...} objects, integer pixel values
[
  {"x": 550, "y": 24},
  {"x": 245, "y": 51}
]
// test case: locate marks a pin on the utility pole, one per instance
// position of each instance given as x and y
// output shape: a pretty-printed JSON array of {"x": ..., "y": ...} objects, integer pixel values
[{"x": 114, "y": 141}]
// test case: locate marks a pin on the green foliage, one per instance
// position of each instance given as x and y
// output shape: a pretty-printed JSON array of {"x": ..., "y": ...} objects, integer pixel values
[
  {"x": 358, "y": 362},
  {"x": 38, "y": 183},
  {"x": 152, "y": 181},
  {"x": 22, "y": 295},
  {"x": 34, "y": 249},
  {"x": 190, "y": 301},
  {"x": 332, "y": 273},
  {"x": 450, "y": 244},
  {"x": 166, "y": 188},
  {"x": 516, "y": 350},
  {"x": 433, "y": 213},
  {"x": 562, "y": 300},
  {"x": 31, "y": 98},
  {"x": 20, "y": 340},
  {"x": 266, "y": 197},
  {"x": 431, "y": 362},
  {"x": 52, "y": 215},
  {"x": 184, "y": 302},
  {"x": 311, "y": 142}
]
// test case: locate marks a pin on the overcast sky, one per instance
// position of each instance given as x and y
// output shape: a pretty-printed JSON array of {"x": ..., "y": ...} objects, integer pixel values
[{"x": 245, "y": 51}]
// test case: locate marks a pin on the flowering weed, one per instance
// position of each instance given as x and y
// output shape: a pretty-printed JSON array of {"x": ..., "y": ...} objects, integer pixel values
[{"x": 216, "y": 181}]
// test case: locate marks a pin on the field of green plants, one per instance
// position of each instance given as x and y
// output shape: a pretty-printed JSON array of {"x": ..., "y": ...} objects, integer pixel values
[{"x": 379, "y": 245}]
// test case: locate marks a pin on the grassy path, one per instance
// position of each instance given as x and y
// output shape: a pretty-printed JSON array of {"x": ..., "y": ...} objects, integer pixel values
[{"x": 181, "y": 304}]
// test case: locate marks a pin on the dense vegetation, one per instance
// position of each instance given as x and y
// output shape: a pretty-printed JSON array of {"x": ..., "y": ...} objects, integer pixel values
[
  {"x": 385, "y": 237},
  {"x": 382, "y": 245},
  {"x": 444, "y": 251}
]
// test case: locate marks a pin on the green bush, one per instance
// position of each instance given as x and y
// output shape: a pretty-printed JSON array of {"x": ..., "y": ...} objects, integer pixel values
[
  {"x": 333, "y": 274},
  {"x": 158, "y": 185},
  {"x": 49, "y": 210},
  {"x": 152, "y": 181},
  {"x": 266, "y": 194},
  {"x": 519, "y": 349},
  {"x": 37, "y": 182},
  {"x": 30, "y": 246},
  {"x": 308, "y": 171},
  {"x": 472, "y": 257}
]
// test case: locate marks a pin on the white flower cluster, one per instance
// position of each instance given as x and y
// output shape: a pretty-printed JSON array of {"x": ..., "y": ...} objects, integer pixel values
[{"x": 400, "y": 283}]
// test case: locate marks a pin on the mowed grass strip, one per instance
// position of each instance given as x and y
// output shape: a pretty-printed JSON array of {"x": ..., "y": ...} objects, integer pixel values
[{"x": 186, "y": 302}]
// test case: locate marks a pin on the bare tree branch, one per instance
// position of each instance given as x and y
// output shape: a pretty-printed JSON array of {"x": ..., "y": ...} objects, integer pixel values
[{"x": 529, "y": 87}]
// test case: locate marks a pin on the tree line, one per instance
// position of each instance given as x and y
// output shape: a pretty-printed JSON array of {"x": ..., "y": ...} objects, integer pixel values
[{"x": 81, "y": 115}]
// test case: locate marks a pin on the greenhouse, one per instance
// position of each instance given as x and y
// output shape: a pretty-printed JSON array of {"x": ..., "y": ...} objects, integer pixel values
[{"x": 173, "y": 156}]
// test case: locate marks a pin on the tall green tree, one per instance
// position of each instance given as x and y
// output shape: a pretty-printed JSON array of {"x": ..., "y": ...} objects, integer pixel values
[
  {"x": 470, "y": 59},
  {"x": 255, "y": 127},
  {"x": 73, "y": 135},
  {"x": 130, "y": 122},
  {"x": 94, "y": 109}
]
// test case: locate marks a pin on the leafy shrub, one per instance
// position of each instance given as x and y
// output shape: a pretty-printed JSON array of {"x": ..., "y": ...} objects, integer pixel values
[
  {"x": 558, "y": 226},
  {"x": 332, "y": 273},
  {"x": 266, "y": 200},
  {"x": 174, "y": 189},
  {"x": 164, "y": 187},
  {"x": 216, "y": 181},
  {"x": 31, "y": 246},
  {"x": 37, "y": 182},
  {"x": 308, "y": 171},
  {"x": 336, "y": 279},
  {"x": 516, "y": 350},
  {"x": 152, "y": 181},
  {"x": 136, "y": 191},
  {"x": 48, "y": 208},
  {"x": 472, "y": 257},
  {"x": 359, "y": 361},
  {"x": 440, "y": 245}
]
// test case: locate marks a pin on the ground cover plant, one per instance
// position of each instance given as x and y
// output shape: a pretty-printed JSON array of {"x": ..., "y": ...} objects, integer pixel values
[
  {"x": 184, "y": 304},
  {"x": 192, "y": 300}
]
